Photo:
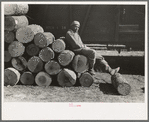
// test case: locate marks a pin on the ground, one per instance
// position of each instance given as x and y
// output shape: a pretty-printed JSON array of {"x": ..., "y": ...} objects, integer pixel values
[{"x": 101, "y": 91}]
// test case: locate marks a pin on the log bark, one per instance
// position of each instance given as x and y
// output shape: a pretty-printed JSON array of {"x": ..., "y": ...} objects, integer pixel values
[
  {"x": 32, "y": 50},
  {"x": 9, "y": 36},
  {"x": 86, "y": 79},
  {"x": 15, "y": 9},
  {"x": 15, "y": 22},
  {"x": 120, "y": 83},
  {"x": 46, "y": 54},
  {"x": 65, "y": 57},
  {"x": 35, "y": 64},
  {"x": 7, "y": 56},
  {"x": 19, "y": 63},
  {"x": 44, "y": 39},
  {"x": 58, "y": 45},
  {"x": 66, "y": 78},
  {"x": 16, "y": 49},
  {"x": 11, "y": 77},
  {"x": 52, "y": 67},
  {"x": 25, "y": 34},
  {"x": 43, "y": 79},
  {"x": 80, "y": 64},
  {"x": 27, "y": 78}
]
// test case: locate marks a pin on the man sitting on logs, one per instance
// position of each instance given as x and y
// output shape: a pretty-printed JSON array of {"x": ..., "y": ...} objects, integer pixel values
[{"x": 73, "y": 40}]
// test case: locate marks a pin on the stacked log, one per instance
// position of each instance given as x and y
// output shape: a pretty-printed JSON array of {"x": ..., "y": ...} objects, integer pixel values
[
  {"x": 36, "y": 57},
  {"x": 121, "y": 84}
]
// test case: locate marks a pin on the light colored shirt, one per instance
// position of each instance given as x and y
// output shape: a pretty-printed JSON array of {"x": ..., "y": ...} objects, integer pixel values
[{"x": 73, "y": 40}]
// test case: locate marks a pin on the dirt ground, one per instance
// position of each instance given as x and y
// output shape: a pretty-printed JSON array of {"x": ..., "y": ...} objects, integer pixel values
[{"x": 100, "y": 91}]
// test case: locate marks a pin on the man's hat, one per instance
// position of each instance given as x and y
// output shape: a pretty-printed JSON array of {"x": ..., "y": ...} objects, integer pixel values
[{"x": 75, "y": 23}]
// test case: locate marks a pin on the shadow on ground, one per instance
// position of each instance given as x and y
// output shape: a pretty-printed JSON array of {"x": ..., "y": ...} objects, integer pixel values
[{"x": 108, "y": 89}]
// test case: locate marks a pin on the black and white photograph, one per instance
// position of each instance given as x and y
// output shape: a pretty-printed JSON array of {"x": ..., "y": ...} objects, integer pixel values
[{"x": 74, "y": 60}]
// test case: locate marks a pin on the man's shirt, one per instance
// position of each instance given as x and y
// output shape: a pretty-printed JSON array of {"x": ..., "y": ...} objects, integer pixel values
[{"x": 73, "y": 40}]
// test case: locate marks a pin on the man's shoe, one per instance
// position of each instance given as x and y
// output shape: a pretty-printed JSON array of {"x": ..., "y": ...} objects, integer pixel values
[
  {"x": 113, "y": 71},
  {"x": 92, "y": 72}
]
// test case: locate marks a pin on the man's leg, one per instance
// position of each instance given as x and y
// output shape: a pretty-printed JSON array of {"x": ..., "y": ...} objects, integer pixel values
[{"x": 105, "y": 66}]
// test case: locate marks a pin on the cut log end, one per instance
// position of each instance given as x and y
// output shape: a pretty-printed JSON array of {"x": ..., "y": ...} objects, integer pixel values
[
  {"x": 32, "y": 50},
  {"x": 43, "y": 79},
  {"x": 9, "y": 36},
  {"x": 124, "y": 89},
  {"x": 24, "y": 35},
  {"x": 86, "y": 80},
  {"x": 19, "y": 63},
  {"x": 11, "y": 77},
  {"x": 80, "y": 64},
  {"x": 27, "y": 78},
  {"x": 16, "y": 49},
  {"x": 52, "y": 67},
  {"x": 66, "y": 78},
  {"x": 46, "y": 54},
  {"x": 120, "y": 84},
  {"x": 58, "y": 45},
  {"x": 65, "y": 57},
  {"x": 7, "y": 56},
  {"x": 35, "y": 64}
]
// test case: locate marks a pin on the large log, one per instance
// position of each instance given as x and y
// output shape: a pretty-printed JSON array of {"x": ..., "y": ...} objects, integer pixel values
[
  {"x": 80, "y": 64},
  {"x": 9, "y": 36},
  {"x": 120, "y": 83},
  {"x": 65, "y": 57},
  {"x": 32, "y": 50},
  {"x": 16, "y": 49},
  {"x": 35, "y": 64},
  {"x": 27, "y": 78},
  {"x": 46, "y": 54},
  {"x": 7, "y": 56},
  {"x": 58, "y": 45},
  {"x": 15, "y": 9},
  {"x": 19, "y": 63},
  {"x": 66, "y": 78},
  {"x": 15, "y": 22},
  {"x": 36, "y": 28},
  {"x": 86, "y": 79},
  {"x": 43, "y": 79},
  {"x": 44, "y": 39},
  {"x": 25, "y": 34},
  {"x": 11, "y": 77},
  {"x": 52, "y": 67}
]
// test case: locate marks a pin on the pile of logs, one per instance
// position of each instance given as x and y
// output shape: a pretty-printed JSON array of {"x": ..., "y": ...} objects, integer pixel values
[{"x": 33, "y": 56}]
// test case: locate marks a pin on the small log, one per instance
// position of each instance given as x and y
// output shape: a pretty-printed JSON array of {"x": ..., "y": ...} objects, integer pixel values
[
  {"x": 36, "y": 28},
  {"x": 32, "y": 50},
  {"x": 27, "y": 78},
  {"x": 15, "y": 9},
  {"x": 86, "y": 79},
  {"x": 24, "y": 35},
  {"x": 7, "y": 56},
  {"x": 65, "y": 57},
  {"x": 46, "y": 54},
  {"x": 120, "y": 83},
  {"x": 66, "y": 78},
  {"x": 15, "y": 22},
  {"x": 16, "y": 49},
  {"x": 9, "y": 36},
  {"x": 80, "y": 64},
  {"x": 44, "y": 39},
  {"x": 35, "y": 64},
  {"x": 52, "y": 67},
  {"x": 11, "y": 77},
  {"x": 58, "y": 45},
  {"x": 19, "y": 63},
  {"x": 43, "y": 79}
]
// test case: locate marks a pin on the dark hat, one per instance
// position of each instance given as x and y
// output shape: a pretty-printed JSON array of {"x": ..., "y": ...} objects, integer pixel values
[{"x": 75, "y": 23}]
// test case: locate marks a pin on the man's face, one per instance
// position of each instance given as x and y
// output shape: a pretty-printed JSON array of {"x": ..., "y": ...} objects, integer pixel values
[{"x": 75, "y": 28}]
